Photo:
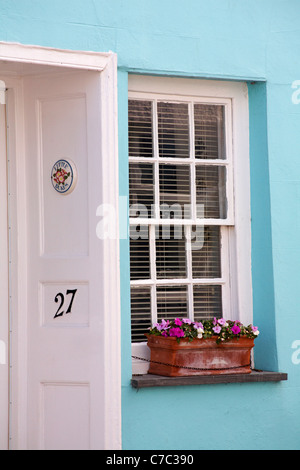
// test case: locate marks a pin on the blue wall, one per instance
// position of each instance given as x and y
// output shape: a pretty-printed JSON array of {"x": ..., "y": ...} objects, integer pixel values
[{"x": 257, "y": 41}]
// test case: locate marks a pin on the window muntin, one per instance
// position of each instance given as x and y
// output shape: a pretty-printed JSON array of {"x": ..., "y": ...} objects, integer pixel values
[{"x": 182, "y": 184}]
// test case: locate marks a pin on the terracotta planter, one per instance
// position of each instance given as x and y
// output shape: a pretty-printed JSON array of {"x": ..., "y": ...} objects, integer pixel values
[{"x": 199, "y": 357}]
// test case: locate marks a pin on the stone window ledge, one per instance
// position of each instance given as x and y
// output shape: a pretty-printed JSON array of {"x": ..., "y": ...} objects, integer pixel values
[{"x": 148, "y": 380}]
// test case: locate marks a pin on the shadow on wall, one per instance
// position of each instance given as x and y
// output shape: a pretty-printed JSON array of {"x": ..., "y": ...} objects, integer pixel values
[{"x": 265, "y": 352}]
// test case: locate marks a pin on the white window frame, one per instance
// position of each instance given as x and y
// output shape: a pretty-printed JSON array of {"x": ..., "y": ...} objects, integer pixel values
[{"x": 236, "y": 277}]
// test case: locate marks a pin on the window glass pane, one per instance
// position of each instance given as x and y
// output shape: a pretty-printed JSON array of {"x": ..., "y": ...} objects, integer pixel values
[
  {"x": 209, "y": 131},
  {"x": 140, "y": 128},
  {"x": 170, "y": 252},
  {"x": 141, "y": 189},
  {"x": 172, "y": 302},
  {"x": 206, "y": 252},
  {"x": 173, "y": 130},
  {"x": 139, "y": 252},
  {"x": 140, "y": 313},
  {"x": 211, "y": 192},
  {"x": 175, "y": 187},
  {"x": 177, "y": 183},
  {"x": 207, "y": 302}
]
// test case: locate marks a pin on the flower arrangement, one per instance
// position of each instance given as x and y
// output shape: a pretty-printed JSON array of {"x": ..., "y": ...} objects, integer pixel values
[
  {"x": 61, "y": 176},
  {"x": 221, "y": 329}
]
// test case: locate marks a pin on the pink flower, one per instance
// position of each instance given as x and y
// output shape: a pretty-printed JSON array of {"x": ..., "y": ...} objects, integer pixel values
[
  {"x": 215, "y": 321},
  {"x": 198, "y": 325},
  {"x": 235, "y": 329},
  {"x": 217, "y": 329},
  {"x": 254, "y": 328},
  {"x": 164, "y": 333},
  {"x": 165, "y": 324},
  {"x": 222, "y": 321},
  {"x": 186, "y": 320},
  {"x": 178, "y": 322},
  {"x": 176, "y": 332}
]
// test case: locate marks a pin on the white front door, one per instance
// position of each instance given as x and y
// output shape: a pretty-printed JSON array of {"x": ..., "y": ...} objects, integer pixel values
[
  {"x": 65, "y": 345},
  {"x": 4, "y": 308}
]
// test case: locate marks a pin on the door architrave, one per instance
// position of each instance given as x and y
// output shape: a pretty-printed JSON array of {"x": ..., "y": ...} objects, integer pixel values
[{"x": 17, "y": 60}]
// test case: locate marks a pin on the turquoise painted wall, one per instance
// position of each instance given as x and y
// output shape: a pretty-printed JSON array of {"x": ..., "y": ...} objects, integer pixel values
[{"x": 257, "y": 41}]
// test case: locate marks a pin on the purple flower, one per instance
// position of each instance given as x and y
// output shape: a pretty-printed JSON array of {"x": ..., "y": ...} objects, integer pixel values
[
  {"x": 215, "y": 321},
  {"x": 222, "y": 321},
  {"x": 187, "y": 320},
  {"x": 164, "y": 333},
  {"x": 254, "y": 328},
  {"x": 217, "y": 329},
  {"x": 235, "y": 329},
  {"x": 198, "y": 325},
  {"x": 177, "y": 332},
  {"x": 178, "y": 322},
  {"x": 165, "y": 324}
]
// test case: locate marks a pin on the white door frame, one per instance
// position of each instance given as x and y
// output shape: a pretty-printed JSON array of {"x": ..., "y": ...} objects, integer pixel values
[
  {"x": 4, "y": 297},
  {"x": 13, "y": 57}
]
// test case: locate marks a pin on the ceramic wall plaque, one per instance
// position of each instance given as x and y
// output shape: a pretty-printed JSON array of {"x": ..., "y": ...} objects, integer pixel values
[{"x": 64, "y": 176}]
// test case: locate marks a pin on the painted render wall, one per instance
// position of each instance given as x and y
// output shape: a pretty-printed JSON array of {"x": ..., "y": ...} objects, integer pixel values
[{"x": 253, "y": 40}]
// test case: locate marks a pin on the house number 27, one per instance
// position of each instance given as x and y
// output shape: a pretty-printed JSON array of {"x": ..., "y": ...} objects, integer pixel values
[{"x": 61, "y": 298}]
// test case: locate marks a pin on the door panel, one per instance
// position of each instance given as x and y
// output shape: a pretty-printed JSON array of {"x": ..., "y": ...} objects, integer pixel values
[
  {"x": 4, "y": 395},
  {"x": 65, "y": 137},
  {"x": 65, "y": 337}
]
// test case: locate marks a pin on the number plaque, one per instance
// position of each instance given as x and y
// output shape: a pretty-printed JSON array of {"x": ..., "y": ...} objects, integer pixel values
[{"x": 61, "y": 298}]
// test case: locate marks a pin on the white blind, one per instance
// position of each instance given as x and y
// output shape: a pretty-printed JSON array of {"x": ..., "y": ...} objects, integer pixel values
[
  {"x": 207, "y": 302},
  {"x": 139, "y": 253},
  {"x": 209, "y": 123},
  {"x": 211, "y": 191},
  {"x": 206, "y": 253},
  {"x": 175, "y": 189},
  {"x": 140, "y": 128},
  {"x": 141, "y": 189},
  {"x": 140, "y": 313},
  {"x": 173, "y": 130},
  {"x": 172, "y": 301},
  {"x": 181, "y": 265},
  {"x": 170, "y": 253}
]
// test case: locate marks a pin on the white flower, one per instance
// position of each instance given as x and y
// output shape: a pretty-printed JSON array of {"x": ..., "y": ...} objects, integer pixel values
[
  {"x": 200, "y": 332},
  {"x": 256, "y": 333}
]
